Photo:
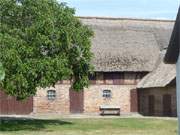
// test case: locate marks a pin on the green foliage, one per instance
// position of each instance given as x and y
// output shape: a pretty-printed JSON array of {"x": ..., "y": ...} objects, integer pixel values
[
  {"x": 42, "y": 42},
  {"x": 2, "y": 73}
]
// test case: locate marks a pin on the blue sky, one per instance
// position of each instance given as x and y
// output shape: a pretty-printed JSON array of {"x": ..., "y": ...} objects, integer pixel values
[{"x": 153, "y": 9}]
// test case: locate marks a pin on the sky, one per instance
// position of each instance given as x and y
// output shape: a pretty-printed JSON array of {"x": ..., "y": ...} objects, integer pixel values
[{"x": 146, "y": 9}]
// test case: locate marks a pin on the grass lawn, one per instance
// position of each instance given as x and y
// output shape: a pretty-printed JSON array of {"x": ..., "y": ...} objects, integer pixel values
[{"x": 119, "y": 126}]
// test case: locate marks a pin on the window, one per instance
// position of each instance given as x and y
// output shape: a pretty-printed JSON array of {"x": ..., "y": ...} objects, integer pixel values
[
  {"x": 51, "y": 94},
  {"x": 107, "y": 93}
]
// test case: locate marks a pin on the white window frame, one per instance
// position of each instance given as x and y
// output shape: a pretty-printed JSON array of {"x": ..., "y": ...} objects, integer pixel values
[
  {"x": 51, "y": 95},
  {"x": 107, "y": 93}
]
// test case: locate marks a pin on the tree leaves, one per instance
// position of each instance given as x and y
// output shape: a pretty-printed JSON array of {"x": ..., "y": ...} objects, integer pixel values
[
  {"x": 2, "y": 73},
  {"x": 41, "y": 42}
]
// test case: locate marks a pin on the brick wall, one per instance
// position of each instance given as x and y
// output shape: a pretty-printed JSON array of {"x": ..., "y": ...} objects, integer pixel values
[
  {"x": 158, "y": 93},
  {"x": 60, "y": 105},
  {"x": 93, "y": 98},
  {"x": 124, "y": 95}
]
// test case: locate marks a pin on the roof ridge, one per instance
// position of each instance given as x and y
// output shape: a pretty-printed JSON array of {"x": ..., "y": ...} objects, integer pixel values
[{"x": 124, "y": 18}]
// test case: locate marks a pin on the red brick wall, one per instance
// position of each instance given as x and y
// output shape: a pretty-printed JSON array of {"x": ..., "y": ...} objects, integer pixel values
[
  {"x": 93, "y": 99},
  {"x": 60, "y": 105},
  {"x": 123, "y": 95}
]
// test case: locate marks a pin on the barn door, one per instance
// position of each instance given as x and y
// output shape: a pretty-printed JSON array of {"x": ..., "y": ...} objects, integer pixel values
[
  {"x": 76, "y": 101},
  {"x": 151, "y": 101},
  {"x": 167, "y": 105}
]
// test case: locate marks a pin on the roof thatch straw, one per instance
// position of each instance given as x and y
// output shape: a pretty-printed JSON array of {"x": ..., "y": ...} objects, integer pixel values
[
  {"x": 127, "y": 44},
  {"x": 161, "y": 76}
]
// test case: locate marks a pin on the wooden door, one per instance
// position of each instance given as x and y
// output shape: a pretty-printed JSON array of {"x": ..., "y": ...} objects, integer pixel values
[
  {"x": 151, "y": 102},
  {"x": 76, "y": 101},
  {"x": 3, "y": 103},
  {"x": 167, "y": 111},
  {"x": 134, "y": 100},
  {"x": 9, "y": 105}
]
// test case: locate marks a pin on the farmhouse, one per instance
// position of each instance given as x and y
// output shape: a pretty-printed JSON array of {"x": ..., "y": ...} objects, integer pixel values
[{"x": 129, "y": 73}]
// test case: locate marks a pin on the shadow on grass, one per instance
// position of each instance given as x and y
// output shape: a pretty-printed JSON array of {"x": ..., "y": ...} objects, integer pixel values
[{"x": 28, "y": 124}]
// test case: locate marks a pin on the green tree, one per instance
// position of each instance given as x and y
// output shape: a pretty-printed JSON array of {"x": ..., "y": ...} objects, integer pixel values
[
  {"x": 2, "y": 73},
  {"x": 42, "y": 42}
]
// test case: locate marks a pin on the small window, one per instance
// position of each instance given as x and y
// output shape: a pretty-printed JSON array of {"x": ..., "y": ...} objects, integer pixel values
[
  {"x": 51, "y": 94},
  {"x": 107, "y": 93}
]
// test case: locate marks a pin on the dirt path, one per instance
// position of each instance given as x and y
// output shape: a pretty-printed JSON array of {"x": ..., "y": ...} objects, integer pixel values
[{"x": 79, "y": 116}]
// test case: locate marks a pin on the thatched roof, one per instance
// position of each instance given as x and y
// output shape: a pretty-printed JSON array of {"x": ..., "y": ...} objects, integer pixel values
[
  {"x": 127, "y": 44},
  {"x": 174, "y": 45},
  {"x": 161, "y": 76}
]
